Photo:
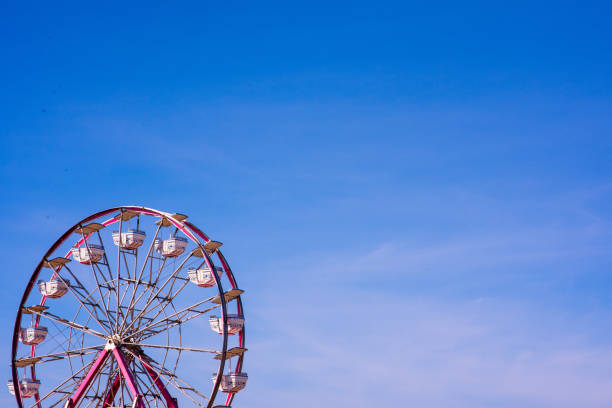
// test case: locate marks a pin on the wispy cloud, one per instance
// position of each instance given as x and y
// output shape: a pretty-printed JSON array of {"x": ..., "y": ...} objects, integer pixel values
[
  {"x": 351, "y": 331},
  {"x": 376, "y": 350}
]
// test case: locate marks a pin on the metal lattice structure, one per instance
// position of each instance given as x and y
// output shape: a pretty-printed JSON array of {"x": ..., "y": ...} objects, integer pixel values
[{"x": 122, "y": 323}]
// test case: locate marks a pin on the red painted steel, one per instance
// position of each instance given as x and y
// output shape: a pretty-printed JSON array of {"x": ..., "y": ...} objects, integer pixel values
[
  {"x": 129, "y": 378},
  {"x": 102, "y": 356},
  {"x": 170, "y": 402},
  {"x": 110, "y": 397}
]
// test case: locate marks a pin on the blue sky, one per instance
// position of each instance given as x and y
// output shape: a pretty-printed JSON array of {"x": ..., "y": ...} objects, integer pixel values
[{"x": 416, "y": 198}]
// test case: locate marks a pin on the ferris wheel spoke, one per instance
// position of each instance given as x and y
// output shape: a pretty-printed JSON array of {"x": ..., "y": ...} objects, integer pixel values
[
  {"x": 129, "y": 278},
  {"x": 171, "y": 323},
  {"x": 54, "y": 337},
  {"x": 153, "y": 282},
  {"x": 117, "y": 291},
  {"x": 183, "y": 386},
  {"x": 93, "y": 269},
  {"x": 68, "y": 323},
  {"x": 178, "y": 383},
  {"x": 138, "y": 280},
  {"x": 161, "y": 346},
  {"x": 153, "y": 296},
  {"x": 146, "y": 383},
  {"x": 72, "y": 333},
  {"x": 129, "y": 275},
  {"x": 163, "y": 303},
  {"x": 83, "y": 301},
  {"x": 115, "y": 287},
  {"x": 56, "y": 403},
  {"x": 125, "y": 262},
  {"x": 122, "y": 309},
  {"x": 63, "y": 385},
  {"x": 106, "y": 285},
  {"x": 171, "y": 277},
  {"x": 180, "y": 316},
  {"x": 153, "y": 331},
  {"x": 171, "y": 296},
  {"x": 90, "y": 401},
  {"x": 91, "y": 300},
  {"x": 48, "y": 358},
  {"x": 159, "y": 384},
  {"x": 148, "y": 288},
  {"x": 65, "y": 395}
]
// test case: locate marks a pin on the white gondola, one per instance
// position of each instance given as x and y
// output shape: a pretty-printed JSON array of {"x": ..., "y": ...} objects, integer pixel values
[
  {"x": 131, "y": 239},
  {"x": 235, "y": 323},
  {"x": 27, "y": 387},
  {"x": 54, "y": 289},
  {"x": 232, "y": 382},
  {"x": 203, "y": 276},
  {"x": 171, "y": 247},
  {"x": 84, "y": 256},
  {"x": 32, "y": 335}
]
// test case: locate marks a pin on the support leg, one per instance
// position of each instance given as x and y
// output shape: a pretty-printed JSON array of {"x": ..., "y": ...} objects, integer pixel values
[
  {"x": 91, "y": 374},
  {"x": 170, "y": 401},
  {"x": 129, "y": 378}
]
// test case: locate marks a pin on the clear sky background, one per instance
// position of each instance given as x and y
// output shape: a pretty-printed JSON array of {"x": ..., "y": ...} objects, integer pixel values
[{"x": 416, "y": 198}]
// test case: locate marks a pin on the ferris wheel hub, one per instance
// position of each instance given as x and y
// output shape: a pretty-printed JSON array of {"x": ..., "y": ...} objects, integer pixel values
[{"x": 113, "y": 342}]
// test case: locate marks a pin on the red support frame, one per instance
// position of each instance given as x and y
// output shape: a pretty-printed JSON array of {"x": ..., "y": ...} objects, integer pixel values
[
  {"x": 95, "y": 368},
  {"x": 170, "y": 400},
  {"x": 129, "y": 378},
  {"x": 110, "y": 397},
  {"x": 91, "y": 374}
]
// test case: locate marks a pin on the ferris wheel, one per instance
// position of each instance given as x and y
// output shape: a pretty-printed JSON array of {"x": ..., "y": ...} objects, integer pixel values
[{"x": 114, "y": 315}]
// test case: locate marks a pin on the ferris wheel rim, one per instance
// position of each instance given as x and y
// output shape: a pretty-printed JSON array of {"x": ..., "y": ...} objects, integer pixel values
[
  {"x": 232, "y": 279},
  {"x": 190, "y": 230}
]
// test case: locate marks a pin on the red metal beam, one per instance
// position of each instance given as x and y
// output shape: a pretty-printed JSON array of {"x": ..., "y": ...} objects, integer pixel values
[
  {"x": 170, "y": 401},
  {"x": 110, "y": 397},
  {"x": 129, "y": 378},
  {"x": 102, "y": 356}
]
